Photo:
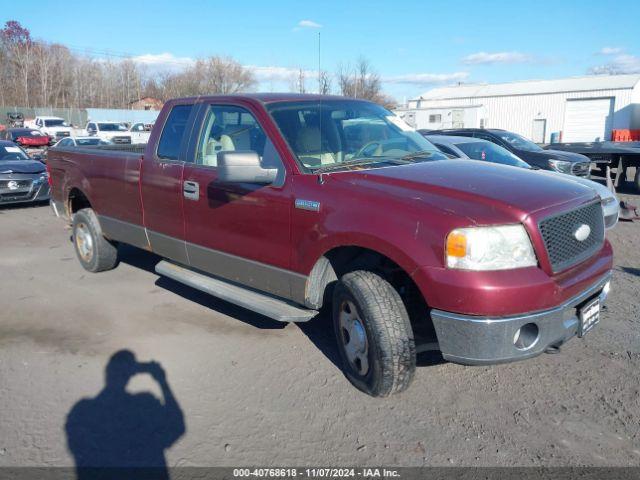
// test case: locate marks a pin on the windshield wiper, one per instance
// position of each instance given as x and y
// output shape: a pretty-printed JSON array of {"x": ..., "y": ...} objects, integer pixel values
[
  {"x": 351, "y": 163},
  {"x": 415, "y": 155}
]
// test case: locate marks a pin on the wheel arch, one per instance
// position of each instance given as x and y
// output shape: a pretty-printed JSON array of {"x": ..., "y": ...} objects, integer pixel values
[
  {"x": 76, "y": 200},
  {"x": 338, "y": 260}
]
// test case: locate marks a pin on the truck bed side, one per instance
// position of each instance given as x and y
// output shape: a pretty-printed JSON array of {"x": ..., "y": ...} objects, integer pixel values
[{"x": 107, "y": 178}]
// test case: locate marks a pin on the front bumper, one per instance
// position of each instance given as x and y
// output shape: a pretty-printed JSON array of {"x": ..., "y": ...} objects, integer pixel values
[
  {"x": 477, "y": 340},
  {"x": 36, "y": 192}
]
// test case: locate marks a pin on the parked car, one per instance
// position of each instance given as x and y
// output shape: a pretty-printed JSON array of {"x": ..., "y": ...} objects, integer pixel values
[
  {"x": 483, "y": 150},
  {"x": 140, "y": 132},
  {"x": 530, "y": 152},
  {"x": 82, "y": 142},
  {"x": 22, "y": 179},
  {"x": 55, "y": 127},
  {"x": 25, "y": 137},
  {"x": 262, "y": 201},
  {"x": 114, "y": 132}
]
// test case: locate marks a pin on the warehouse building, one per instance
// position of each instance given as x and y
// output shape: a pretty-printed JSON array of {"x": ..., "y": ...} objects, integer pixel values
[{"x": 580, "y": 109}]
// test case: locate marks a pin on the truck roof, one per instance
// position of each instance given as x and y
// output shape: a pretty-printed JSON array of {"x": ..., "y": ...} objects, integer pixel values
[
  {"x": 47, "y": 117},
  {"x": 269, "y": 97}
]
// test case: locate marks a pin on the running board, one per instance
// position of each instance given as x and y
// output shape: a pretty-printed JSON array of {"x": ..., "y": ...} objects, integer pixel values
[{"x": 257, "y": 302}]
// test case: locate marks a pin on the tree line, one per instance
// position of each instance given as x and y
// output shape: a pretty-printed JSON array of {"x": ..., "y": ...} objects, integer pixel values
[{"x": 39, "y": 74}]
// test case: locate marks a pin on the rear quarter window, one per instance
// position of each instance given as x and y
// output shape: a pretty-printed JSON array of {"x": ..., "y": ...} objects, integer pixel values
[{"x": 173, "y": 132}]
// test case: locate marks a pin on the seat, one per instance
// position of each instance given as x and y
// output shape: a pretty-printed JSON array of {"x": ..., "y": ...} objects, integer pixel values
[{"x": 309, "y": 148}]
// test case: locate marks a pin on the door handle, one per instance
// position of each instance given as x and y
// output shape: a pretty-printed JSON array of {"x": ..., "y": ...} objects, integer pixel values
[{"x": 191, "y": 190}]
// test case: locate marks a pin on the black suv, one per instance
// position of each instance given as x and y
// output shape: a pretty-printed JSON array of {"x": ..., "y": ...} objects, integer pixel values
[{"x": 533, "y": 154}]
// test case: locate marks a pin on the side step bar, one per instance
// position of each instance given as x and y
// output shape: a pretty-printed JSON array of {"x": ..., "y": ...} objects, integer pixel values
[{"x": 264, "y": 304}]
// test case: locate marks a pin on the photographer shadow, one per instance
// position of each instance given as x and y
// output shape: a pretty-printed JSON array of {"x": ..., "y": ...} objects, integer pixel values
[{"x": 118, "y": 434}]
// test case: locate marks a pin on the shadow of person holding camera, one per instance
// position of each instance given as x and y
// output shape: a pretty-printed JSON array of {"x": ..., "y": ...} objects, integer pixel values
[{"x": 118, "y": 434}]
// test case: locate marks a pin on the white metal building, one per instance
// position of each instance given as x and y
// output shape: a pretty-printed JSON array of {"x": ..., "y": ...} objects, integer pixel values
[{"x": 583, "y": 109}]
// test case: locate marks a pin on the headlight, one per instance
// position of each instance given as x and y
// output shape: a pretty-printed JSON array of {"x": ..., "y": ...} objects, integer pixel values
[
  {"x": 490, "y": 248},
  {"x": 560, "y": 165},
  {"x": 608, "y": 201}
]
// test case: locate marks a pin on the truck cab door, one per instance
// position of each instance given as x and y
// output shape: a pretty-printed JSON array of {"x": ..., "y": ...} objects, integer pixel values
[
  {"x": 162, "y": 187},
  {"x": 237, "y": 231}
]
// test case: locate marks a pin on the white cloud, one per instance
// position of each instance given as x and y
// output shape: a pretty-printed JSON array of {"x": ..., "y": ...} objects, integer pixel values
[
  {"x": 620, "y": 64},
  {"x": 610, "y": 50},
  {"x": 272, "y": 73},
  {"x": 163, "y": 62},
  {"x": 485, "y": 58},
  {"x": 427, "y": 78},
  {"x": 308, "y": 24}
]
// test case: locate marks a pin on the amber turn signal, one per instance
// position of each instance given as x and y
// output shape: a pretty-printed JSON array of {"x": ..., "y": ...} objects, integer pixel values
[{"x": 456, "y": 244}]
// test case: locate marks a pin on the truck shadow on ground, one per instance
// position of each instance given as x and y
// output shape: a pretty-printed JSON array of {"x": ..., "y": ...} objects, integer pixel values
[
  {"x": 118, "y": 434},
  {"x": 631, "y": 271},
  {"x": 319, "y": 330}
]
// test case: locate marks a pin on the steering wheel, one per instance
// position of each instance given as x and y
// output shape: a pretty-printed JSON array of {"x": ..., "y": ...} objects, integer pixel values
[{"x": 359, "y": 153}]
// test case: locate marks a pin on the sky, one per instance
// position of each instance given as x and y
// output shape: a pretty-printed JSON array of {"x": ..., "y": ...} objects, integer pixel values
[{"x": 413, "y": 45}]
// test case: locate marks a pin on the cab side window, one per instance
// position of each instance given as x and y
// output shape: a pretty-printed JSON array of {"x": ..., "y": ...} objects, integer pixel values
[
  {"x": 173, "y": 132},
  {"x": 229, "y": 128}
]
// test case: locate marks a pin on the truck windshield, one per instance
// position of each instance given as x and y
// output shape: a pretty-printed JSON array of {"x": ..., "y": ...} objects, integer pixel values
[
  {"x": 335, "y": 134},
  {"x": 111, "y": 127},
  {"x": 490, "y": 152},
  {"x": 519, "y": 142},
  {"x": 12, "y": 153},
  {"x": 55, "y": 122}
]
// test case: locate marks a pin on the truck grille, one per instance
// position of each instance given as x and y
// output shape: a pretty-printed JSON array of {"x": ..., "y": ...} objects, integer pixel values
[
  {"x": 121, "y": 140},
  {"x": 62, "y": 134},
  {"x": 560, "y": 235},
  {"x": 581, "y": 169}
]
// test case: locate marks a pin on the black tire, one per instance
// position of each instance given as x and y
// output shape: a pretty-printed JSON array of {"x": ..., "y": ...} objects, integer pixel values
[
  {"x": 102, "y": 254},
  {"x": 636, "y": 179},
  {"x": 390, "y": 347}
]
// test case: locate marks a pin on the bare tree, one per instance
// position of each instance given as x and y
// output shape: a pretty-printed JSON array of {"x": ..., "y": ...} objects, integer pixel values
[
  {"x": 324, "y": 82},
  {"x": 360, "y": 81}
]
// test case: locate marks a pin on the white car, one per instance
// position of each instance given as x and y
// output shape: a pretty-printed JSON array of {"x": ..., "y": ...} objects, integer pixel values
[
  {"x": 479, "y": 149},
  {"x": 115, "y": 132},
  {"x": 81, "y": 142},
  {"x": 140, "y": 132},
  {"x": 54, "y": 127}
]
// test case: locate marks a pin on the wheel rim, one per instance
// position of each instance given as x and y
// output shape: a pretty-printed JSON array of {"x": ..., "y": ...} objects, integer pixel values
[
  {"x": 84, "y": 242},
  {"x": 354, "y": 337}
]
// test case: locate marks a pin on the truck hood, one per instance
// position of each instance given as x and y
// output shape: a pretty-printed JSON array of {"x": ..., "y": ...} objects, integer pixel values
[
  {"x": 21, "y": 166},
  {"x": 468, "y": 187},
  {"x": 58, "y": 129}
]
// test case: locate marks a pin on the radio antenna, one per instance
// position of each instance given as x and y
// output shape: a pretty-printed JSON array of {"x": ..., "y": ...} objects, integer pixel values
[{"x": 319, "y": 67}]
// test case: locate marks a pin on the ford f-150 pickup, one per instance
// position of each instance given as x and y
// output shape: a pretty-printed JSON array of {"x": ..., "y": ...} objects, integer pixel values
[{"x": 285, "y": 204}]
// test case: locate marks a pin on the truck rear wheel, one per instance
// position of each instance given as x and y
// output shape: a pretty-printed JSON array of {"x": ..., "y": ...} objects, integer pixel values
[
  {"x": 636, "y": 179},
  {"x": 96, "y": 253},
  {"x": 374, "y": 335}
]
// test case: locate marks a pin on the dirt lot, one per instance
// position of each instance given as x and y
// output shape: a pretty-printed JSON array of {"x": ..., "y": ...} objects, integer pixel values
[{"x": 256, "y": 392}]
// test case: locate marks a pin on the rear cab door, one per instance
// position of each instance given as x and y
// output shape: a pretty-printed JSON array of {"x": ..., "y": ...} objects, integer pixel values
[{"x": 162, "y": 185}]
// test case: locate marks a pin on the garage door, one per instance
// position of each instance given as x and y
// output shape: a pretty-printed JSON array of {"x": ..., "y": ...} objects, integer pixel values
[{"x": 588, "y": 120}]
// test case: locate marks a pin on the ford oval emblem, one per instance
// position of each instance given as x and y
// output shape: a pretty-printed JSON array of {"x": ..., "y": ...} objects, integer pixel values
[{"x": 582, "y": 232}]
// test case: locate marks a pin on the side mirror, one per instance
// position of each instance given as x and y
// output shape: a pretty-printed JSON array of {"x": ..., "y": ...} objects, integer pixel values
[
  {"x": 244, "y": 167},
  {"x": 37, "y": 157}
]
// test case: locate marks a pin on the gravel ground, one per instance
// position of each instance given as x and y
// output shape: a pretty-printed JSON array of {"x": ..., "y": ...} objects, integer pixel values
[{"x": 255, "y": 392}]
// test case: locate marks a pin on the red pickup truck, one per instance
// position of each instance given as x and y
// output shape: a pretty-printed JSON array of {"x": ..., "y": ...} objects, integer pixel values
[{"x": 287, "y": 203}]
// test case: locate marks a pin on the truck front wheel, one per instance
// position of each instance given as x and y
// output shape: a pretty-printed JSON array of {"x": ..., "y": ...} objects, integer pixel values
[
  {"x": 374, "y": 335},
  {"x": 96, "y": 253}
]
